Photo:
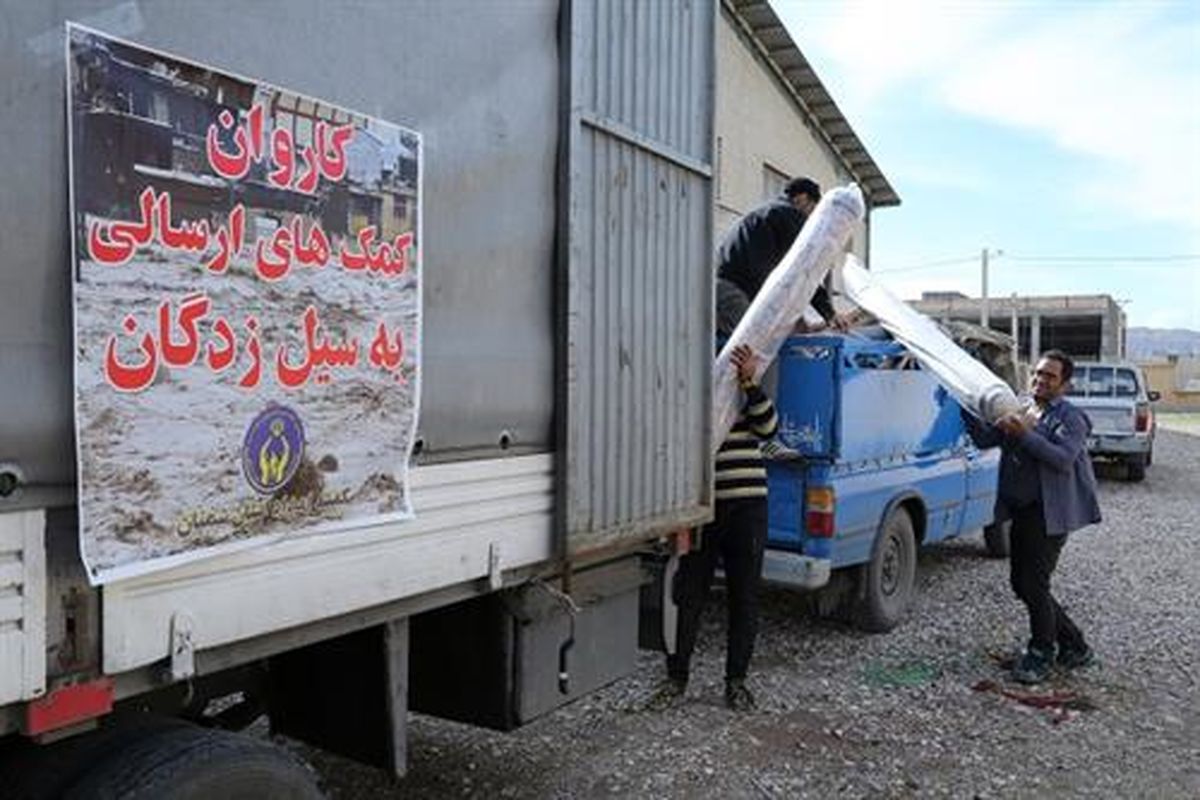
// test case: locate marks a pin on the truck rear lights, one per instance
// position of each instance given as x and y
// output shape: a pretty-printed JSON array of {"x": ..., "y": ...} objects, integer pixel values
[
  {"x": 1142, "y": 421},
  {"x": 819, "y": 511}
]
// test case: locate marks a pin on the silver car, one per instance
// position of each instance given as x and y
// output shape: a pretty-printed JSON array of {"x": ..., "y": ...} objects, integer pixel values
[{"x": 1115, "y": 398}]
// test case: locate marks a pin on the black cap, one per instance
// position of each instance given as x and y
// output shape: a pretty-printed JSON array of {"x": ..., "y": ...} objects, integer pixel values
[{"x": 803, "y": 186}]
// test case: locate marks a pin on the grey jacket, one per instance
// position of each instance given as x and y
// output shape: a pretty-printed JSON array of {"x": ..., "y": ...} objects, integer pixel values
[{"x": 1058, "y": 445}]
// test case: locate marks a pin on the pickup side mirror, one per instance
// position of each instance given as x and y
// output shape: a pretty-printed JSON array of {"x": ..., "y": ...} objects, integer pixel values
[{"x": 1154, "y": 396}]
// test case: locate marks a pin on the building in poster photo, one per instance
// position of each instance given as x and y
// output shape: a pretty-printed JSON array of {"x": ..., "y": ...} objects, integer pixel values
[{"x": 247, "y": 309}]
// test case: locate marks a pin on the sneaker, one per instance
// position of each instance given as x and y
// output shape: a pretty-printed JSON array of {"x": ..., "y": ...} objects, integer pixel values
[
  {"x": 1076, "y": 657},
  {"x": 738, "y": 696},
  {"x": 1033, "y": 666},
  {"x": 668, "y": 695}
]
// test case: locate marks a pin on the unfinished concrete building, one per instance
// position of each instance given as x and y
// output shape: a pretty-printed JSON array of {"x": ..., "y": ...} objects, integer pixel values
[{"x": 1088, "y": 327}]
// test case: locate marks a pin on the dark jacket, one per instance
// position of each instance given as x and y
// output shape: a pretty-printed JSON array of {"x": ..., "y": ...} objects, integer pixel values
[
  {"x": 752, "y": 248},
  {"x": 1057, "y": 446}
]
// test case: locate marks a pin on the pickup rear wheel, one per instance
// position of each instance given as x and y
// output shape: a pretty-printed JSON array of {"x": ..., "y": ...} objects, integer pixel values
[
  {"x": 889, "y": 577},
  {"x": 1137, "y": 467}
]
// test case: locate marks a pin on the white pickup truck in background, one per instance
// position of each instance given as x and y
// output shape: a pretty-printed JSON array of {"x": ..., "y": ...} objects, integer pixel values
[{"x": 1116, "y": 400}]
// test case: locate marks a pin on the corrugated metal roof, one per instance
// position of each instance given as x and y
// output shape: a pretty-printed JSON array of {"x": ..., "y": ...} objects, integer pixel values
[{"x": 763, "y": 26}]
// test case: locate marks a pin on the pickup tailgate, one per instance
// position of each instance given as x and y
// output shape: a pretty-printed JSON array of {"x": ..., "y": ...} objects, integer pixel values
[{"x": 1109, "y": 417}]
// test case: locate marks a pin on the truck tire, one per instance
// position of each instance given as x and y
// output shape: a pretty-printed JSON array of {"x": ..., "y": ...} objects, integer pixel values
[
  {"x": 45, "y": 771},
  {"x": 191, "y": 763},
  {"x": 889, "y": 577},
  {"x": 996, "y": 539},
  {"x": 1137, "y": 467}
]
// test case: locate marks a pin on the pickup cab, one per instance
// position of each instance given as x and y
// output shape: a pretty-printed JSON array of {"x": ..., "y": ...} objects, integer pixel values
[
  {"x": 1115, "y": 398},
  {"x": 873, "y": 461}
]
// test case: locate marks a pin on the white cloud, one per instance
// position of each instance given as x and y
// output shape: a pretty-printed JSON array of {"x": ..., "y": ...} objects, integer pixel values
[
  {"x": 938, "y": 176},
  {"x": 1107, "y": 81},
  {"x": 1115, "y": 82},
  {"x": 877, "y": 46}
]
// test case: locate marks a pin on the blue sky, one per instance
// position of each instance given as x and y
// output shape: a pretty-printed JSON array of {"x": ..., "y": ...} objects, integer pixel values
[{"x": 1065, "y": 130}]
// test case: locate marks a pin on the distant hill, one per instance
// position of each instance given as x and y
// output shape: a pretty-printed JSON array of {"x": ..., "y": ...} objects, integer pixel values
[{"x": 1144, "y": 343}]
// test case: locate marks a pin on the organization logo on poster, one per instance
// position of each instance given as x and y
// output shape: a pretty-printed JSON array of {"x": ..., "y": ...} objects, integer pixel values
[{"x": 273, "y": 449}]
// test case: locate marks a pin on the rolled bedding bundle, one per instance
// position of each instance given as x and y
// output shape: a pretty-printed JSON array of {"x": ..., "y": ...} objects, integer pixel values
[
  {"x": 784, "y": 295},
  {"x": 976, "y": 388}
]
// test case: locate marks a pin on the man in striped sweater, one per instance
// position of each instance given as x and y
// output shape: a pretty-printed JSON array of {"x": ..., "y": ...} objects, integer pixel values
[{"x": 737, "y": 537}]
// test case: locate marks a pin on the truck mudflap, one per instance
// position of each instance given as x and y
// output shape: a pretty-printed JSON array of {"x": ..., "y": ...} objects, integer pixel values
[{"x": 795, "y": 569}]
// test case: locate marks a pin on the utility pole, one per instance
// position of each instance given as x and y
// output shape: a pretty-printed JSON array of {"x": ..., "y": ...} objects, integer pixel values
[
  {"x": 984, "y": 315},
  {"x": 1016, "y": 332},
  {"x": 983, "y": 312}
]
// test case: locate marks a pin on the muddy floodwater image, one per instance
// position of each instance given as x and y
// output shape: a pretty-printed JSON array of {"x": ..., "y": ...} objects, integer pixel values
[{"x": 247, "y": 310}]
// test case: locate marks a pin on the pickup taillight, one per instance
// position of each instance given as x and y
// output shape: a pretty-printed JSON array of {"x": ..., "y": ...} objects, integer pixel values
[
  {"x": 819, "y": 512},
  {"x": 1142, "y": 420}
]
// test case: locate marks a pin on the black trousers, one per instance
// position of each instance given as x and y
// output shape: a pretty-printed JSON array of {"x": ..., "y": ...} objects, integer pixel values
[
  {"x": 737, "y": 536},
  {"x": 1033, "y": 557}
]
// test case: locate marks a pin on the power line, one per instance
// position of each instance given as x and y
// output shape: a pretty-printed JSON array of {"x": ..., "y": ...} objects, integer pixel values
[
  {"x": 1172, "y": 261},
  {"x": 1101, "y": 265},
  {"x": 1172, "y": 257},
  {"x": 932, "y": 264}
]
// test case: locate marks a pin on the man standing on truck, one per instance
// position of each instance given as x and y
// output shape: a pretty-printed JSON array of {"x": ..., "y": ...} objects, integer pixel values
[
  {"x": 737, "y": 536},
  {"x": 1047, "y": 488},
  {"x": 754, "y": 246}
]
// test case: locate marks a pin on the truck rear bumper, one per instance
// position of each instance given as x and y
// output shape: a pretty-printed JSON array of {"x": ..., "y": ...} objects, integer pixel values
[
  {"x": 1118, "y": 444},
  {"x": 793, "y": 569}
]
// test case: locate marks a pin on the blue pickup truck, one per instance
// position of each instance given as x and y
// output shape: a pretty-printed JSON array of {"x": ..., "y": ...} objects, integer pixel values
[{"x": 872, "y": 461}]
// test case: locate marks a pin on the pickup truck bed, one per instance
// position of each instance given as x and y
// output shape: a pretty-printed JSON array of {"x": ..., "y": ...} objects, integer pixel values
[{"x": 868, "y": 437}]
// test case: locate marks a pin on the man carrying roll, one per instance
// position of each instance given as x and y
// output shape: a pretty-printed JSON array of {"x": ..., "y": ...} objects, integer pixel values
[
  {"x": 1047, "y": 488},
  {"x": 756, "y": 244}
]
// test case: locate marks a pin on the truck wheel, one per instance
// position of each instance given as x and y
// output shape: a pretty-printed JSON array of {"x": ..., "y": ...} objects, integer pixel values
[
  {"x": 1137, "y": 467},
  {"x": 45, "y": 771},
  {"x": 888, "y": 578},
  {"x": 190, "y": 763},
  {"x": 1150, "y": 456},
  {"x": 995, "y": 538}
]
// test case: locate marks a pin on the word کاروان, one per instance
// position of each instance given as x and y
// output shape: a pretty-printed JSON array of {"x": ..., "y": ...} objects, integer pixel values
[{"x": 327, "y": 159}]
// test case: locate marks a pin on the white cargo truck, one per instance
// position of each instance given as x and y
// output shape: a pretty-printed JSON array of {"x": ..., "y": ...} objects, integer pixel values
[{"x": 348, "y": 354}]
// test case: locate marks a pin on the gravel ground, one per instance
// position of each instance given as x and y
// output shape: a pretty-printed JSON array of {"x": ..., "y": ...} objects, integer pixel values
[
  {"x": 1185, "y": 422},
  {"x": 847, "y": 714}
]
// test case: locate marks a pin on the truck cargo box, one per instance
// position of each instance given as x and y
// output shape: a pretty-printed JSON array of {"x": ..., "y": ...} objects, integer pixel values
[{"x": 567, "y": 285}]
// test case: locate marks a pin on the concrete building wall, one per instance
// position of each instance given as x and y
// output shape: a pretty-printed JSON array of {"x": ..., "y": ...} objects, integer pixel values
[
  {"x": 760, "y": 125},
  {"x": 1177, "y": 380}
]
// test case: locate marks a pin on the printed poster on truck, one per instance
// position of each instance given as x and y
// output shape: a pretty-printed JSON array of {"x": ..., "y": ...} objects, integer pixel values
[{"x": 247, "y": 292}]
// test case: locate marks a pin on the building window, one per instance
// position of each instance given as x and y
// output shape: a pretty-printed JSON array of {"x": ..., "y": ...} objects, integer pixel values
[
  {"x": 774, "y": 182},
  {"x": 159, "y": 108}
]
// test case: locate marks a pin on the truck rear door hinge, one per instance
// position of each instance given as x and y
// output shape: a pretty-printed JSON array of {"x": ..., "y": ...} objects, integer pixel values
[
  {"x": 495, "y": 573},
  {"x": 183, "y": 651}
]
